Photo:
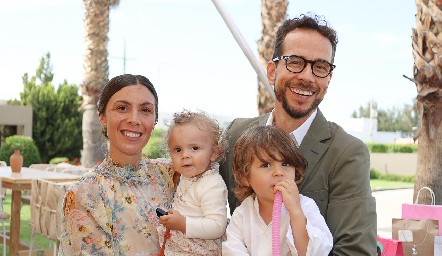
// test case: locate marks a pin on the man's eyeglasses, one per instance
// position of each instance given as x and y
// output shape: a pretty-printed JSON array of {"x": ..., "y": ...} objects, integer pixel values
[{"x": 296, "y": 64}]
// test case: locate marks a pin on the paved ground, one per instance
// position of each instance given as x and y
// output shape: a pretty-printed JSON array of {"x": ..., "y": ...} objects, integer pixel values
[{"x": 388, "y": 206}]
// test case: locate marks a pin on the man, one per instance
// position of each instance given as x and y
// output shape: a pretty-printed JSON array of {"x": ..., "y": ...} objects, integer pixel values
[{"x": 337, "y": 176}]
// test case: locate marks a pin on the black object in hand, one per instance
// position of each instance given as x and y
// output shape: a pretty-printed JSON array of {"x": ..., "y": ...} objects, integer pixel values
[{"x": 160, "y": 212}]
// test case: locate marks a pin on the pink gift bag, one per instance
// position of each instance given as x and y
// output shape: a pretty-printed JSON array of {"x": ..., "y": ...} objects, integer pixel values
[
  {"x": 422, "y": 211},
  {"x": 389, "y": 247}
]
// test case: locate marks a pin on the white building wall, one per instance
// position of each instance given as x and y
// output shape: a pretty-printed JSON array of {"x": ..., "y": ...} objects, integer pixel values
[
  {"x": 21, "y": 116},
  {"x": 366, "y": 130},
  {"x": 394, "y": 163}
]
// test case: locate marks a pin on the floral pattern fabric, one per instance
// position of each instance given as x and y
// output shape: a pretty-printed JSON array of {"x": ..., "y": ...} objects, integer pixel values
[{"x": 111, "y": 211}]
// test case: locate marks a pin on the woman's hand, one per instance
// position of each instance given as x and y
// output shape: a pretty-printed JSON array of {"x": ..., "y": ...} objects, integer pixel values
[{"x": 174, "y": 221}]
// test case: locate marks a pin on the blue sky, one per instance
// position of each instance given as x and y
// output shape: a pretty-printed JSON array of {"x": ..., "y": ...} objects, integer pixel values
[{"x": 187, "y": 51}]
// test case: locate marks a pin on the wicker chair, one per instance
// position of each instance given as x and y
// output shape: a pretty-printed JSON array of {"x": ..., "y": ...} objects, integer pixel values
[
  {"x": 46, "y": 206},
  {"x": 77, "y": 170},
  {"x": 26, "y": 199},
  {"x": 3, "y": 216},
  {"x": 3, "y": 190},
  {"x": 59, "y": 167},
  {"x": 41, "y": 166}
]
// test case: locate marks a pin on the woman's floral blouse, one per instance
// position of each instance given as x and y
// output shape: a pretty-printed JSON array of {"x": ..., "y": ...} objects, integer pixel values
[{"x": 111, "y": 211}]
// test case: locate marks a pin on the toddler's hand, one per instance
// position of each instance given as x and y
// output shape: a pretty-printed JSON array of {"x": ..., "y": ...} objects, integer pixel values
[
  {"x": 174, "y": 221},
  {"x": 290, "y": 196}
]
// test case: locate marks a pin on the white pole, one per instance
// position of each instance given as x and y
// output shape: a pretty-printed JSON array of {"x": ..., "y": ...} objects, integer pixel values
[
  {"x": 259, "y": 69},
  {"x": 371, "y": 120}
]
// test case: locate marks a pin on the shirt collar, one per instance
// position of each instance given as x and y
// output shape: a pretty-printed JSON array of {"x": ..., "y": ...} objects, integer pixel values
[{"x": 299, "y": 133}]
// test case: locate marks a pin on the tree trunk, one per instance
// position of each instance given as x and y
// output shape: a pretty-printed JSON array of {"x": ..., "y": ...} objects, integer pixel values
[
  {"x": 429, "y": 166},
  {"x": 427, "y": 53},
  {"x": 273, "y": 14},
  {"x": 96, "y": 73}
]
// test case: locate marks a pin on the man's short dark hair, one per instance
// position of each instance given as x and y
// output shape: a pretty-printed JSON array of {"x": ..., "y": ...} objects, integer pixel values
[{"x": 305, "y": 21}]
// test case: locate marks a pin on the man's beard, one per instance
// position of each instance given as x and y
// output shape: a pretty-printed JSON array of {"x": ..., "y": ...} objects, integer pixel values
[{"x": 280, "y": 93}]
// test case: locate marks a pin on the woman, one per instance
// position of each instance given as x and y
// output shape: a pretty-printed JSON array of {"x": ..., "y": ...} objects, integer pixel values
[{"x": 112, "y": 210}]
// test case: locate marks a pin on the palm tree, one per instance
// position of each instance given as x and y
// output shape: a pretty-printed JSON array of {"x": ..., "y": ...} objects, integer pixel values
[
  {"x": 427, "y": 53},
  {"x": 96, "y": 75},
  {"x": 273, "y": 14}
]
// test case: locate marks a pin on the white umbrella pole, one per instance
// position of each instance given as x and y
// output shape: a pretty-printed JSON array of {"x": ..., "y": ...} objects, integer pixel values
[{"x": 259, "y": 69}]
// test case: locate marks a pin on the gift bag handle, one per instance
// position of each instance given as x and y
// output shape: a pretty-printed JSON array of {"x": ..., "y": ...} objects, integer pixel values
[{"x": 433, "y": 197}]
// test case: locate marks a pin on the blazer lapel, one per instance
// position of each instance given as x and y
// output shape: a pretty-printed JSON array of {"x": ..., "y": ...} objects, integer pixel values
[
  {"x": 312, "y": 147},
  {"x": 262, "y": 119}
]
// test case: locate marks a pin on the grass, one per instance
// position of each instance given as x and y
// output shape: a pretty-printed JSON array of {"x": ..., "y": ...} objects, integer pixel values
[
  {"x": 383, "y": 184},
  {"x": 25, "y": 230}
]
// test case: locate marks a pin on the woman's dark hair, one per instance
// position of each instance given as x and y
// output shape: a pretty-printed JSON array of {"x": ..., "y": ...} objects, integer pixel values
[
  {"x": 119, "y": 82},
  {"x": 305, "y": 21},
  {"x": 263, "y": 142}
]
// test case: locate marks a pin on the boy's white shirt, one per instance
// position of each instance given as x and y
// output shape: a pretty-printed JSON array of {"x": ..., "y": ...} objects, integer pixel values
[{"x": 247, "y": 234}]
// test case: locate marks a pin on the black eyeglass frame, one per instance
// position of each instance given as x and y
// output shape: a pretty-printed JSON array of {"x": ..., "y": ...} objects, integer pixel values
[{"x": 312, "y": 63}]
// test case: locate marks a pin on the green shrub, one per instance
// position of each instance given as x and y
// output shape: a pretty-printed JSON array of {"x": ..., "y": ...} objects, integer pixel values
[
  {"x": 391, "y": 148},
  {"x": 159, "y": 132},
  {"x": 391, "y": 177},
  {"x": 29, "y": 150},
  {"x": 57, "y": 160},
  {"x": 377, "y": 147},
  {"x": 156, "y": 147},
  {"x": 375, "y": 175},
  {"x": 407, "y": 178},
  {"x": 396, "y": 148}
]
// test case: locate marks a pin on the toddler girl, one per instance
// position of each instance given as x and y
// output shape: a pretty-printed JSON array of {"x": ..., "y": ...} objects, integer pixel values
[{"x": 198, "y": 219}]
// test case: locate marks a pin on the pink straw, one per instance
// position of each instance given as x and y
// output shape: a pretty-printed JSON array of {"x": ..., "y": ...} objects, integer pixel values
[{"x": 276, "y": 218}]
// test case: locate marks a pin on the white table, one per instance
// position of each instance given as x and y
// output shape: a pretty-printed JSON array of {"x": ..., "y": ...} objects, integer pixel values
[{"x": 17, "y": 182}]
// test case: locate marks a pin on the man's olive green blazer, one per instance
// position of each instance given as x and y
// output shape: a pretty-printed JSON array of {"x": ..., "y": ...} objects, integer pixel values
[{"x": 337, "y": 178}]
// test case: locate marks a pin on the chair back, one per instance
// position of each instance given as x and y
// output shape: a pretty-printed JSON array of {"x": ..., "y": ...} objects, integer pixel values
[
  {"x": 1, "y": 197},
  {"x": 46, "y": 206},
  {"x": 3, "y": 164},
  {"x": 59, "y": 167},
  {"x": 77, "y": 170},
  {"x": 41, "y": 166}
]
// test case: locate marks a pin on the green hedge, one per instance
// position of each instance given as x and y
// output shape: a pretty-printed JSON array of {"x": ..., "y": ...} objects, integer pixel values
[
  {"x": 29, "y": 150},
  {"x": 57, "y": 160},
  {"x": 157, "y": 147},
  {"x": 391, "y": 148},
  {"x": 376, "y": 175}
]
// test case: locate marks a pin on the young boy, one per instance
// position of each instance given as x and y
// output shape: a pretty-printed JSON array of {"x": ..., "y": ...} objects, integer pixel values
[{"x": 266, "y": 160}]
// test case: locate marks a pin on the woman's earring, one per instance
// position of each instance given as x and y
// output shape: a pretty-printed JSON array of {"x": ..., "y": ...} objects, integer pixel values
[{"x": 104, "y": 131}]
